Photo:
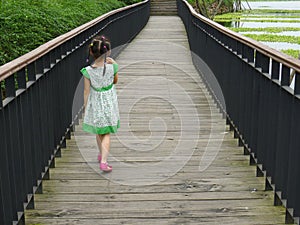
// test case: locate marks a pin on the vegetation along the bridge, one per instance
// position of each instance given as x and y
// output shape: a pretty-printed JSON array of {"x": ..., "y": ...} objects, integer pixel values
[
  {"x": 210, "y": 8},
  {"x": 278, "y": 27},
  {"x": 282, "y": 35},
  {"x": 26, "y": 24}
]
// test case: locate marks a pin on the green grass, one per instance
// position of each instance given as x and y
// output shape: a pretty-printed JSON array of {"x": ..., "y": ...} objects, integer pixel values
[
  {"x": 257, "y": 21},
  {"x": 263, "y": 11},
  {"x": 26, "y": 24},
  {"x": 266, "y": 29},
  {"x": 266, "y": 11},
  {"x": 274, "y": 38},
  {"x": 258, "y": 13},
  {"x": 292, "y": 52},
  {"x": 247, "y": 15},
  {"x": 270, "y": 0}
]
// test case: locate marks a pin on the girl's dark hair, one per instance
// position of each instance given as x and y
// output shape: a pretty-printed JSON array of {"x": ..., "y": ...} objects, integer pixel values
[{"x": 99, "y": 47}]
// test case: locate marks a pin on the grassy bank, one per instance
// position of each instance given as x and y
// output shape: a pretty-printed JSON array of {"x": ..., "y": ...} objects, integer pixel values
[
  {"x": 265, "y": 29},
  {"x": 267, "y": 34},
  {"x": 274, "y": 38},
  {"x": 26, "y": 24}
]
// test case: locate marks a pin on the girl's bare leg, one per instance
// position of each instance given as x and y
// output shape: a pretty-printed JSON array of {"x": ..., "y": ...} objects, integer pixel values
[
  {"x": 105, "y": 147},
  {"x": 98, "y": 139}
]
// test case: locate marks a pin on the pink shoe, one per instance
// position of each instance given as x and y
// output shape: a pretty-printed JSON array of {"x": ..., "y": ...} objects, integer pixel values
[
  {"x": 105, "y": 167},
  {"x": 99, "y": 157}
]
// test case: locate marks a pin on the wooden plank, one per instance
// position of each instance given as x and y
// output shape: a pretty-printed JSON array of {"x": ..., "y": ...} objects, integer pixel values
[
  {"x": 166, "y": 209},
  {"x": 175, "y": 185},
  {"x": 120, "y": 196},
  {"x": 167, "y": 221}
]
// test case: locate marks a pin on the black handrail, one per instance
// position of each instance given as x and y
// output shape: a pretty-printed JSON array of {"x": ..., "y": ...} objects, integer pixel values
[
  {"x": 36, "y": 113},
  {"x": 260, "y": 106}
]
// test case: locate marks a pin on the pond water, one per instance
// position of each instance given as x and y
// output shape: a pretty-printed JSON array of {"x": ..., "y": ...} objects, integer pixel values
[
  {"x": 289, "y": 5},
  {"x": 270, "y": 18},
  {"x": 272, "y": 14},
  {"x": 248, "y": 20},
  {"x": 281, "y": 45},
  {"x": 247, "y": 24},
  {"x": 284, "y": 33}
]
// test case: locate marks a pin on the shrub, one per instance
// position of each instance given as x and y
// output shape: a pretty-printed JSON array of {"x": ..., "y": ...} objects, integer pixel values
[{"x": 27, "y": 24}]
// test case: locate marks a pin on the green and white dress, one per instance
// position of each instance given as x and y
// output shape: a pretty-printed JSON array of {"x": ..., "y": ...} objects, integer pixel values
[{"x": 102, "y": 111}]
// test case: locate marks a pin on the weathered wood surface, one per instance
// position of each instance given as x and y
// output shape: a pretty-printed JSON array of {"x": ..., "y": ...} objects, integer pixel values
[
  {"x": 163, "y": 105},
  {"x": 163, "y": 7}
]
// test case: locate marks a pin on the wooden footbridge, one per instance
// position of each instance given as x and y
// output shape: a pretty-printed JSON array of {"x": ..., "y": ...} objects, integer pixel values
[{"x": 180, "y": 156}]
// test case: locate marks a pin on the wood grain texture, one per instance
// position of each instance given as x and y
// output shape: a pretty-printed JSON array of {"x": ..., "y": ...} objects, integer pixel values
[
  {"x": 163, "y": 7},
  {"x": 163, "y": 105}
]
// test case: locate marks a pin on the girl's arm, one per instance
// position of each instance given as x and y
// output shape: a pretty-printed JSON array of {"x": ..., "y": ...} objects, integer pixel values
[
  {"x": 86, "y": 91},
  {"x": 116, "y": 78}
]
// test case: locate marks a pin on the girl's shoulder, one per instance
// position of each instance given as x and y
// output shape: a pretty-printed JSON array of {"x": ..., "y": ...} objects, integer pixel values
[
  {"x": 115, "y": 67},
  {"x": 85, "y": 71},
  {"x": 112, "y": 66}
]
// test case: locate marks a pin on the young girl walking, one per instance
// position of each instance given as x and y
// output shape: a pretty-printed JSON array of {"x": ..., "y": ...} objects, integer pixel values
[{"x": 100, "y": 99}]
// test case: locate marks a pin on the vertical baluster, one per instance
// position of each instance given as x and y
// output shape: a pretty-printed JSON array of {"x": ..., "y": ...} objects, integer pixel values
[
  {"x": 21, "y": 79},
  {"x": 239, "y": 48},
  {"x": 52, "y": 58},
  {"x": 2, "y": 209},
  {"x": 10, "y": 87},
  {"x": 275, "y": 70},
  {"x": 6, "y": 190},
  {"x": 297, "y": 83},
  {"x": 285, "y": 76},
  {"x": 46, "y": 61},
  {"x": 262, "y": 61},
  {"x": 250, "y": 54},
  {"x": 273, "y": 107},
  {"x": 57, "y": 54},
  {"x": 31, "y": 72},
  {"x": 1, "y": 95},
  {"x": 294, "y": 166},
  {"x": 39, "y": 66}
]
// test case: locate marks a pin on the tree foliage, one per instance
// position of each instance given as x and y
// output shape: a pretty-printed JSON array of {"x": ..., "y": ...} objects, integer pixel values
[{"x": 210, "y": 8}]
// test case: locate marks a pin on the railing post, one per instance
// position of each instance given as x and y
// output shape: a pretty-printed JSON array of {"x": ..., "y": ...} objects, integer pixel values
[
  {"x": 262, "y": 61},
  {"x": 10, "y": 87},
  {"x": 275, "y": 70},
  {"x": 293, "y": 183},
  {"x": 21, "y": 79},
  {"x": 284, "y": 124},
  {"x": 39, "y": 66},
  {"x": 297, "y": 83},
  {"x": 1, "y": 97},
  {"x": 31, "y": 72},
  {"x": 46, "y": 62},
  {"x": 6, "y": 189},
  {"x": 285, "y": 76},
  {"x": 248, "y": 53}
]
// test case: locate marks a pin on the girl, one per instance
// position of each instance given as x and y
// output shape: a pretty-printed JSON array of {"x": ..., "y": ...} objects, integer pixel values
[{"x": 100, "y": 98}]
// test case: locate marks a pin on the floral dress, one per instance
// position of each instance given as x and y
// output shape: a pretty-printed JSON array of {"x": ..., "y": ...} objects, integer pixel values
[{"x": 102, "y": 111}]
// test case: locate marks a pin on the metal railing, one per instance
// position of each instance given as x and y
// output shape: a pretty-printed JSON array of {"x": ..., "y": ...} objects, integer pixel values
[
  {"x": 260, "y": 105},
  {"x": 36, "y": 112}
]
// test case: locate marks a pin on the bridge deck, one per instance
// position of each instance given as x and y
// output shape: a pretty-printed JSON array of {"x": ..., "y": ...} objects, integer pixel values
[{"x": 189, "y": 170}]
